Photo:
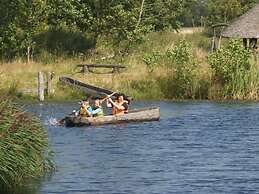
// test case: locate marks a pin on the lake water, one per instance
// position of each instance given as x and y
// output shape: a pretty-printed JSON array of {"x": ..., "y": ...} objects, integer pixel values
[{"x": 196, "y": 147}]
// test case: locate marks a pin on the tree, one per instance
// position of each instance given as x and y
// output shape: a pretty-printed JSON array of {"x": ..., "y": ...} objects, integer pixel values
[
  {"x": 194, "y": 13},
  {"x": 32, "y": 20},
  {"x": 122, "y": 22},
  {"x": 22, "y": 19},
  {"x": 163, "y": 14},
  {"x": 223, "y": 11},
  {"x": 117, "y": 21},
  {"x": 8, "y": 28},
  {"x": 68, "y": 13}
]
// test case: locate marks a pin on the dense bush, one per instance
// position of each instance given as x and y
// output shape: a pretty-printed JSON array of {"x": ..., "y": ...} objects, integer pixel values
[
  {"x": 231, "y": 68},
  {"x": 182, "y": 62},
  {"x": 181, "y": 80}
]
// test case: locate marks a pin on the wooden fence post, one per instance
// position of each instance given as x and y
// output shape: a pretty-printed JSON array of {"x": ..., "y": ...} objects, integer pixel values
[
  {"x": 41, "y": 86},
  {"x": 49, "y": 84}
]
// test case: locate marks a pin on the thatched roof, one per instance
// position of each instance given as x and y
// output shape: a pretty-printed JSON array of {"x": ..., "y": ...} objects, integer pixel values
[{"x": 246, "y": 26}]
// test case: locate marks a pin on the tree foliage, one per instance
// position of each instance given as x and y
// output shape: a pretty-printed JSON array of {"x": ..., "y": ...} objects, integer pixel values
[
  {"x": 119, "y": 21},
  {"x": 209, "y": 12},
  {"x": 222, "y": 11},
  {"x": 162, "y": 14},
  {"x": 22, "y": 20},
  {"x": 182, "y": 61}
]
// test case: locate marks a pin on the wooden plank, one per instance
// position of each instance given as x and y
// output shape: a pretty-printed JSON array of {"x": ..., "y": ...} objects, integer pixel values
[
  {"x": 49, "y": 84},
  {"x": 101, "y": 66}
]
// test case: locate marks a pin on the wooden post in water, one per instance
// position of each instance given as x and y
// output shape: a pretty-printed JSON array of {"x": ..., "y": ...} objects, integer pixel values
[
  {"x": 41, "y": 86},
  {"x": 49, "y": 84}
]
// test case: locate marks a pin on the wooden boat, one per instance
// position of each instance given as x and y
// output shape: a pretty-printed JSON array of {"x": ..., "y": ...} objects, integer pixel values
[
  {"x": 88, "y": 89},
  {"x": 138, "y": 115}
]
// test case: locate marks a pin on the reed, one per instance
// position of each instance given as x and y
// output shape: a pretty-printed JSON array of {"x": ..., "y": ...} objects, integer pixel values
[{"x": 24, "y": 151}]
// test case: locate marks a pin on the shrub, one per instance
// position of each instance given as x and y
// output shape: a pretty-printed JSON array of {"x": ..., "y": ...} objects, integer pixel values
[
  {"x": 231, "y": 68},
  {"x": 183, "y": 65},
  {"x": 152, "y": 60}
]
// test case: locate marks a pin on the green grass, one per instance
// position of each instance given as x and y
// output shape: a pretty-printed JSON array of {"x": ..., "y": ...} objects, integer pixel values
[
  {"x": 135, "y": 81},
  {"x": 24, "y": 151}
]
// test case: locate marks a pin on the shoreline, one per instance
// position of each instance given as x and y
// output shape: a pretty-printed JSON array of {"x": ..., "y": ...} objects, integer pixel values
[
  {"x": 150, "y": 72},
  {"x": 35, "y": 101}
]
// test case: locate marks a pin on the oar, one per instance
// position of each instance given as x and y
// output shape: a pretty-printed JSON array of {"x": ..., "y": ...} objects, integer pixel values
[{"x": 108, "y": 96}]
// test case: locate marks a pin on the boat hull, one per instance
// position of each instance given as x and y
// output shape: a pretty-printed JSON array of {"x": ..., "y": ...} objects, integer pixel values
[{"x": 138, "y": 115}]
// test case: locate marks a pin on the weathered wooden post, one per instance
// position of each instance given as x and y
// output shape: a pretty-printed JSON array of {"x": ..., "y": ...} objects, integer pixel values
[
  {"x": 41, "y": 86},
  {"x": 213, "y": 43},
  {"x": 49, "y": 84},
  {"x": 216, "y": 40},
  {"x": 116, "y": 70},
  {"x": 220, "y": 36},
  {"x": 85, "y": 69}
]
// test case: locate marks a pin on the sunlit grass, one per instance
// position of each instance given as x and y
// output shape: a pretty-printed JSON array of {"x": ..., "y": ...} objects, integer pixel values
[{"x": 19, "y": 77}]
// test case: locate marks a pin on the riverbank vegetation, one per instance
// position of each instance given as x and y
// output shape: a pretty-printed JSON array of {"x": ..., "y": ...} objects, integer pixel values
[
  {"x": 55, "y": 36},
  {"x": 162, "y": 59},
  {"x": 166, "y": 66},
  {"x": 24, "y": 151}
]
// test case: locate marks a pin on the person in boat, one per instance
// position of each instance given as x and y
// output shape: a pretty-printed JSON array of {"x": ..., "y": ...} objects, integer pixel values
[
  {"x": 85, "y": 109},
  {"x": 120, "y": 106},
  {"x": 97, "y": 109},
  {"x": 127, "y": 101}
]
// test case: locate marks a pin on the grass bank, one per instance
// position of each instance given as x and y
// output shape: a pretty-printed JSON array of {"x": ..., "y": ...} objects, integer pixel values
[
  {"x": 24, "y": 152},
  {"x": 154, "y": 70}
]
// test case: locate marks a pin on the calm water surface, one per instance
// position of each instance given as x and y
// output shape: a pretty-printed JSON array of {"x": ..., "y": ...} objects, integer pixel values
[{"x": 197, "y": 147}]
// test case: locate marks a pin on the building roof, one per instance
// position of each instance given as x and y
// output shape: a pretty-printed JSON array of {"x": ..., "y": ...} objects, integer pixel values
[{"x": 246, "y": 26}]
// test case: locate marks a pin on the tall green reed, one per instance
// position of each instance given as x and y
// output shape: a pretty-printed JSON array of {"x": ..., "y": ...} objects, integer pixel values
[{"x": 24, "y": 151}]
